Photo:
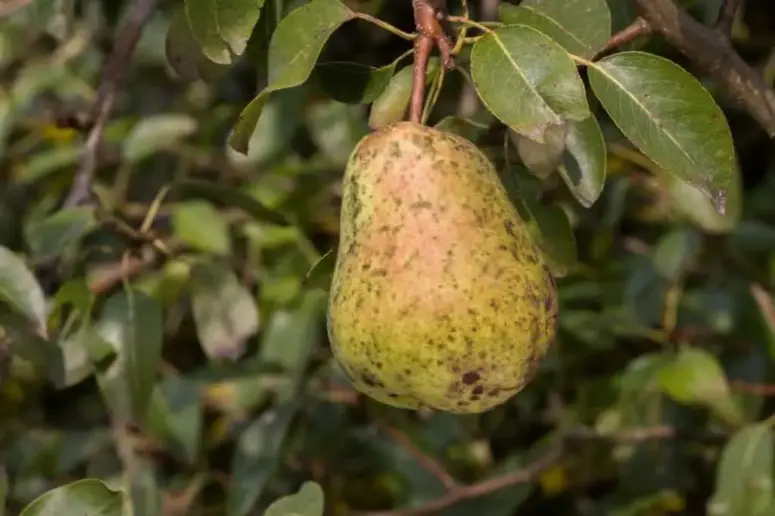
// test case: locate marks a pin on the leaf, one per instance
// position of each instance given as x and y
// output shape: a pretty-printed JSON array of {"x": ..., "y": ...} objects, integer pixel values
[
  {"x": 582, "y": 27},
  {"x": 184, "y": 53},
  {"x": 258, "y": 452},
  {"x": 20, "y": 289},
  {"x": 676, "y": 252},
  {"x": 295, "y": 47},
  {"x": 527, "y": 80},
  {"x": 225, "y": 312},
  {"x": 353, "y": 83},
  {"x": 391, "y": 104},
  {"x": 200, "y": 225},
  {"x": 203, "y": 20},
  {"x": 307, "y": 501},
  {"x": 670, "y": 117},
  {"x": 88, "y": 497},
  {"x": 584, "y": 163},
  {"x": 60, "y": 233},
  {"x": 232, "y": 198},
  {"x": 236, "y": 19},
  {"x": 692, "y": 204},
  {"x": 744, "y": 474},
  {"x": 542, "y": 159},
  {"x": 175, "y": 415},
  {"x": 156, "y": 133},
  {"x": 695, "y": 377},
  {"x": 131, "y": 325}
]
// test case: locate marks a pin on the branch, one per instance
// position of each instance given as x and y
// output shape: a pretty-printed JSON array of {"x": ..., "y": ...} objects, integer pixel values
[
  {"x": 639, "y": 27},
  {"x": 726, "y": 16},
  {"x": 711, "y": 51},
  {"x": 427, "y": 14},
  {"x": 112, "y": 74}
]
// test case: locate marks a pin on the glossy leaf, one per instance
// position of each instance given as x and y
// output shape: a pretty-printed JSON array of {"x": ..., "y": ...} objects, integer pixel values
[
  {"x": 258, "y": 453},
  {"x": 131, "y": 326},
  {"x": 295, "y": 47},
  {"x": 225, "y": 312},
  {"x": 695, "y": 376},
  {"x": 60, "y": 233},
  {"x": 744, "y": 476},
  {"x": 584, "y": 163},
  {"x": 307, "y": 501},
  {"x": 200, "y": 225},
  {"x": 582, "y": 27},
  {"x": 89, "y": 497},
  {"x": 353, "y": 83},
  {"x": 527, "y": 80},
  {"x": 156, "y": 133},
  {"x": 20, "y": 290},
  {"x": 390, "y": 106},
  {"x": 670, "y": 117}
]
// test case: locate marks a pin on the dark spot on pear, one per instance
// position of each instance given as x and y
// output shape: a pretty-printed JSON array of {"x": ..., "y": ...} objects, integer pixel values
[{"x": 470, "y": 378}]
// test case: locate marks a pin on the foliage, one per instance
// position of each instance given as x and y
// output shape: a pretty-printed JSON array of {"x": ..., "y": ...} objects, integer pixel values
[{"x": 163, "y": 349}]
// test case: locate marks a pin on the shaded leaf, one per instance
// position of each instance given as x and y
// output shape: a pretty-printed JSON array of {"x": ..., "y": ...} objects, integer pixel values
[
  {"x": 584, "y": 163},
  {"x": 225, "y": 312},
  {"x": 693, "y": 204},
  {"x": 20, "y": 289},
  {"x": 175, "y": 416},
  {"x": 744, "y": 475},
  {"x": 200, "y": 225},
  {"x": 236, "y": 19},
  {"x": 582, "y": 27},
  {"x": 89, "y": 497},
  {"x": 131, "y": 325},
  {"x": 60, "y": 233},
  {"x": 307, "y": 501},
  {"x": 676, "y": 252},
  {"x": 670, "y": 117},
  {"x": 156, "y": 133},
  {"x": 390, "y": 106},
  {"x": 527, "y": 80},
  {"x": 295, "y": 47},
  {"x": 184, "y": 53},
  {"x": 353, "y": 83},
  {"x": 542, "y": 158}
]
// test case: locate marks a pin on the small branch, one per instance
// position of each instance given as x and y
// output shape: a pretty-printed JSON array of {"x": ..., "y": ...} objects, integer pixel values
[
  {"x": 758, "y": 389},
  {"x": 726, "y": 16},
  {"x": 111, "y": 77},
  {"x": 485, "y": 487},
  {"x": 427, "y": 16},
  {"x": 386, "y": 26},
  {"x": 640, "y": 27},
  {"x": 713, "y": 53},
  {"x": 425, "y": 461}
]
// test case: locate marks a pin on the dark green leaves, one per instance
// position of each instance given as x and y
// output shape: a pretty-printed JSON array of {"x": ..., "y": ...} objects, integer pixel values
[
  {"x": 88, "y": 497},
  {"x": 582, "y": 27},
  {"x": 293, "y": 52},
  {"x": 353, "y": 83},
  {"x": 222, "y": 27},
  {"x": 527, "y": 80},
  {"x": 670, "y": 117},
  {"x": 20, "y": 290},
  {"x": 584, "y": 162}
]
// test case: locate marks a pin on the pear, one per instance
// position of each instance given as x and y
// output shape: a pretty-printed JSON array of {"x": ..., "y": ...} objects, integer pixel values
[{"x": 439, "y": 297}]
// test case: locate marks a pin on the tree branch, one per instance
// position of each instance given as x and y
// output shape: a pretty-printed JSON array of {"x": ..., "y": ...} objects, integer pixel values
[
  {"x": 639, "y": 27},
  {"x": 112, "y": 74},
  {"x": 712, "y": 52},
  {"x": 726, "y": 16}
]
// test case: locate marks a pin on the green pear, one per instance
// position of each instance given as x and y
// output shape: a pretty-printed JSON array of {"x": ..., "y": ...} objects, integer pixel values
[{"x": 439, "y": 296}]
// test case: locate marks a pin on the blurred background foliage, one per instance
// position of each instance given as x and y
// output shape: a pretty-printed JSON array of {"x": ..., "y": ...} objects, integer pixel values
[{"x": 658, "y": 378}]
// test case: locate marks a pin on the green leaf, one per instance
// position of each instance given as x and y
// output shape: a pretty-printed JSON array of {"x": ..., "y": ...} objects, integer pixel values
[
  {"x": 584, "y": 163},
  {"x": 20, "y": 289},
  {"x": 131, "y": 324},
  {"x": 175, "y": 416},
  {"x": 694, "y": 205},
  {"x": 527, "y": 80},
  {"x": 670, "y": 117},
  {"x": 236, "y": 19},
  {"x": 89, "y": 497},
  {"x": 542, "y": 159},
  {"x": 695, "y": 377},
  {"x": 676, "y": 252},
  {"x": 295, "y": 47},
  {"x": 200, "y": 225},
  {"x": 232, "y": 198},
  {"x": 258, "y": 453},
  {"x": 307, "y": 501},
  {"x": 744, "y": 475},
  {"x": 353, "y": 83},
  {"x": 225, "y": 312},
  {"x": 60, "y": 233},
  {"x": 156, "y": 133},
  {"x": 184, "y": 53},
  {"x": 582, "y": 27},
  {"x": 3, "y": 489},
  {"x": 203, "y": 20},
  {"x": 391, "y": 105},
  {"x": 44, "y": 163}
]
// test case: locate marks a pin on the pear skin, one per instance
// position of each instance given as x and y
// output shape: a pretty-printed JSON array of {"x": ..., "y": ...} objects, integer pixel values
[{"x": 439, "y": 296}]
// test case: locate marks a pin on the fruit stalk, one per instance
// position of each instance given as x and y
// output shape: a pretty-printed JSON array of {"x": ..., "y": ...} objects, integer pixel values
[{"x": 427, "y": 16}]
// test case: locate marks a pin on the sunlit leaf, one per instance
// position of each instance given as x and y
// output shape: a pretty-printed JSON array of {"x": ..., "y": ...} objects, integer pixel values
[
  {"x": 200, "y": 225},
  {"x": 89, "y": 497},
  {"x": 307, "y": 501},
  {"x": 156, "y": 133}
]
